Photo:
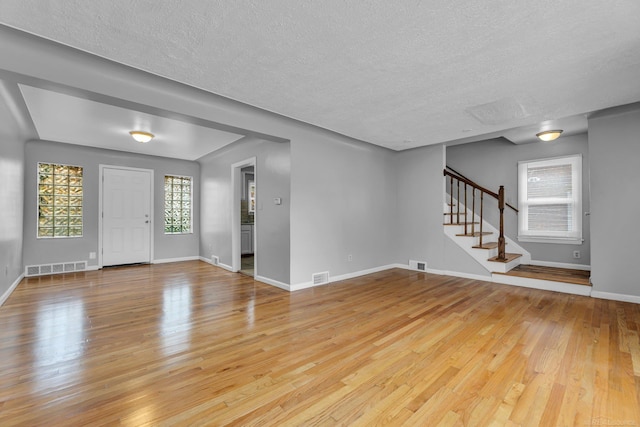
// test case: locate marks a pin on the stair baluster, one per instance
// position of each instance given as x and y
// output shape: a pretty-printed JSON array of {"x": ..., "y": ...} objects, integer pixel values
[
  {"x": 501, "y": 205},
  {"x": 481, "y": 207},
  {"x": 458, "y": 198},
  {"x": 466, "y": 210},
  {"x": 451, "y": 201},
  {"x": 473, "y": 210},
  {"x": 501, "y": 241}
]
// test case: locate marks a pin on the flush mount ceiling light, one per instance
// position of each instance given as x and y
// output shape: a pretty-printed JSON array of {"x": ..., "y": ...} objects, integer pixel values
[
  {"x": 549, "y": 135},
  {"x": 141, "y": 136}
]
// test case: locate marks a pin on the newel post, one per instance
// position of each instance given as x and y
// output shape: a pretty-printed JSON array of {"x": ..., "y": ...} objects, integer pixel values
[{"x": 501, "y": 242}]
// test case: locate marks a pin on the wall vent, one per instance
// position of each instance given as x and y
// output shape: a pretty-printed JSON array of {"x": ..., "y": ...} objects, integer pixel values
[
  {"x": 215, "y": 260},
  {"x": 63, "y": 267},
  {"x": 417, "y": 265},
  {"x": 320, "y": 278}
]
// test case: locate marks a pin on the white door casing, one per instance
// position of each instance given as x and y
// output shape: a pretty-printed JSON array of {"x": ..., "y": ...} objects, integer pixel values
[
  {"x": 236, "y": 195},
  {"x": 126, "y": 216}
]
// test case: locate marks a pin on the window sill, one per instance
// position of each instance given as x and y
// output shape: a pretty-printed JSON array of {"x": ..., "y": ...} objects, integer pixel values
[{"x": 554, "y": 240}]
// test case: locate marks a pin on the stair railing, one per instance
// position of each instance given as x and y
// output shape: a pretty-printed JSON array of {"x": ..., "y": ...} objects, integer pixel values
[{"x": 459, "y": 178}]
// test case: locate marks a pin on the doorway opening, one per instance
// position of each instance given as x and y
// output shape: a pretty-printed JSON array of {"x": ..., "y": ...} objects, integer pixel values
[
  {"x": 247, "y": 220},
  {"x": 244, "y": 217}
]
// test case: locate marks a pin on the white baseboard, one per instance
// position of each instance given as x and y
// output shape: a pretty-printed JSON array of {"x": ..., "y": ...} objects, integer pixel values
[
  {"x": 502, "y": 279},
  {"x": 256, "y": 278},
  {"x": 616, "y": 297},
  {"x": 221, "y": 265},
  {"x": 360, "y": 273},
  {"x": 403, "y": 266},
  {"x": 226, "y": 267},
  {"x": 91, "y": 268},
  {"x": 12, "y": 288},
  {"x": 168, "y": 260},
  {"x": 447, "y": 273},
  {"x": 459, "y": 274},
  {"x": 306, "y": 285},
  {"x": 272, "y": 282},
  {"x": 545, "y": 285},
  {"x": 561, "y": 265}
]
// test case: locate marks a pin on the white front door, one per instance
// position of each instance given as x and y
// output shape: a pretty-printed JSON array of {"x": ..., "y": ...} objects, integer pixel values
[{"x": 126, "y": 222}]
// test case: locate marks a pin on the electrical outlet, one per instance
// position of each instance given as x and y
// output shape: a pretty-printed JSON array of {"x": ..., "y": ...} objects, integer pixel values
[
  {"x": 92, "y": 255},
  {"x": 576, "y": 254}
]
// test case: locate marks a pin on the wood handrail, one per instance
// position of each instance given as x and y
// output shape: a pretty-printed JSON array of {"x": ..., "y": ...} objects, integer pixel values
[
  {"x": 459, "y": 176},
  {"x": 499, "y": 196},
  {"x": 471, "y": 183}
]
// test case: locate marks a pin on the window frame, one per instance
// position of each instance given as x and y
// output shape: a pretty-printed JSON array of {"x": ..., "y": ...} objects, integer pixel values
[
  {"x": 164, "y": 224},
  {"x": 38, "y": 195},
  {"x": 575, "y": 202}
]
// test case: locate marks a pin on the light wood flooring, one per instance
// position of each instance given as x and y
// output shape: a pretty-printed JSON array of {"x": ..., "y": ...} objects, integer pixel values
[
  {"x": 192, "y": 344},
  {"x": 247, "y": 265}
]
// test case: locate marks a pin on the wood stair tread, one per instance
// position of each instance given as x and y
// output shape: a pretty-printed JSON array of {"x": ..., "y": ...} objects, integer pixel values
[
  {"x": 476, "y": 234},
  {"x": 508, "y": 258},
  {"x": 566, "y": 275},
  {"x": 455, "y": 213},
  {"x": 460, "y": 223},
  {"x": 486, "y": 245}
]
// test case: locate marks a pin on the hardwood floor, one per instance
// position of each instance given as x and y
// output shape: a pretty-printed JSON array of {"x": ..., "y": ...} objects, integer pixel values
[
  {"x": 192, "y": 344},
  {"x": 566, "y": 275},
  {"x": 247, "y": 265}
]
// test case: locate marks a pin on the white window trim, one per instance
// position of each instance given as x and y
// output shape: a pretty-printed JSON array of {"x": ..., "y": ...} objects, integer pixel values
[{"x": 571, "y": 238}]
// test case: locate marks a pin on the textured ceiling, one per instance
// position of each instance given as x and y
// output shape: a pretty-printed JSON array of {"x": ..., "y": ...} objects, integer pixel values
[{"x": 396, "y": 74}]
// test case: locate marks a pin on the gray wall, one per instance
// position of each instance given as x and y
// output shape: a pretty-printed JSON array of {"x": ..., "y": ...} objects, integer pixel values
[
  {"x": 419, "y": 200},
  {"x": 273, "y": 179},
  {"x": 342, "y": 194},
  {"x": 320, "y": 159},
  {"x": 41, "y": 251},
  {"x": 495, "y": 162},
  {"x": 614, "y": 147},
  {"x": 12, "y": 195}
]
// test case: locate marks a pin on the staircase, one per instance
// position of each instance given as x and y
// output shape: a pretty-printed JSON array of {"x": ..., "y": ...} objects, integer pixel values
[
  {"x": 485, "y": 252},
  {"x": 464, "y": 223}
]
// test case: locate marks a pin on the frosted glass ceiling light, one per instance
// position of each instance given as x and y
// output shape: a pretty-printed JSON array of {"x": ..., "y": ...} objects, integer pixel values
[
  {"x": 141, "y": 136},
  {"x": 549, "y": 135}
]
